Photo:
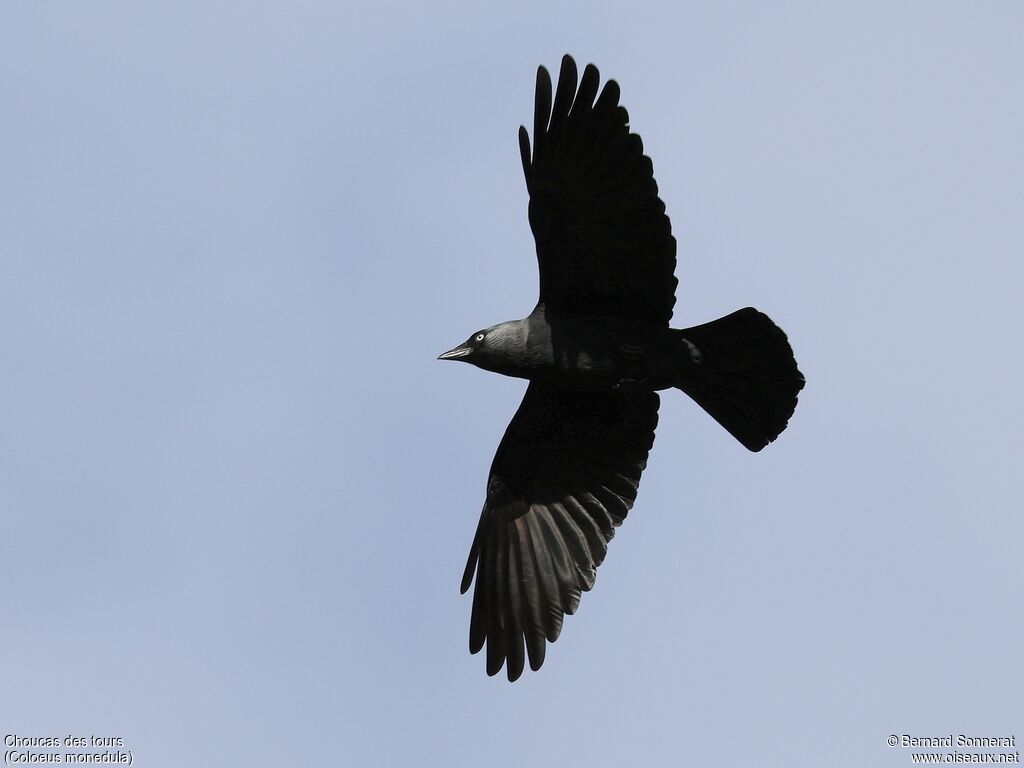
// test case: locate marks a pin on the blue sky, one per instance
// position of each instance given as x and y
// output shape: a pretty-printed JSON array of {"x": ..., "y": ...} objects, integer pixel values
[{"x": 237, "y": 490}]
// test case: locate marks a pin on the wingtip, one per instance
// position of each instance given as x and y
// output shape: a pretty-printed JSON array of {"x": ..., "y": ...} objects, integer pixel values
[
  {"x": 543, "y": 76},
  {"x": 467, "y": 575},
  {"x": 526, "y": 156}
]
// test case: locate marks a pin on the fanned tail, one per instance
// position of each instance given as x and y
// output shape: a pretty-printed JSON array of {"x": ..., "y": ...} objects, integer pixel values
[{"x": 747, "y": 378}]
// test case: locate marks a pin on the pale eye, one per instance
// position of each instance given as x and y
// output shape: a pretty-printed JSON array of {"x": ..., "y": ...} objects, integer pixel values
[{"x": 478, "y": 338}]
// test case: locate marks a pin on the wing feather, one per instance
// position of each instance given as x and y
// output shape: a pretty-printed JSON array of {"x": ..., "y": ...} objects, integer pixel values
[
  {"x": 564, "y": 477},
  {"x": 604, "y": 243}
]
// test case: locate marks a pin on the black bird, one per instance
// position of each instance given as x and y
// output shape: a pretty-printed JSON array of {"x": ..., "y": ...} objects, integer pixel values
[{"x": 596, "y": 349}]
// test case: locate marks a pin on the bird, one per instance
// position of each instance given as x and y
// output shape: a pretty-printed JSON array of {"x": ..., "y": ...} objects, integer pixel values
[{"x": 596, "y": 350}]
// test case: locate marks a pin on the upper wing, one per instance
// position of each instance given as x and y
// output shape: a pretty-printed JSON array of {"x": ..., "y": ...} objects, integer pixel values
[
  {"x": 604, "y": 243},
  {"x": 565, "y": 475}
]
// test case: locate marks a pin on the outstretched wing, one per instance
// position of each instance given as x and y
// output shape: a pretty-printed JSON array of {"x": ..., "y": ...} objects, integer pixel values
[
  {"x": 604, "y": 243},
  {"x": 564, "y": 477}
]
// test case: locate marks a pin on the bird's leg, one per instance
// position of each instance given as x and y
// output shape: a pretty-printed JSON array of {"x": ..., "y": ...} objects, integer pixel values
[
  {"x": 630, "y": 384},
  {"x": 695, "y": 354}
]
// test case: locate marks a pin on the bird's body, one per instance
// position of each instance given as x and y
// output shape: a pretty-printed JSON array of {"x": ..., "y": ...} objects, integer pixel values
[
  {"x": 596, "y": 349},
  {"x": 583, "y": 352}
]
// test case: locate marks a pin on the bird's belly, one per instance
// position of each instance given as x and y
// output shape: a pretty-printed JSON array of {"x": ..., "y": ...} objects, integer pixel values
[
  {"x": 600, "y": 354},
  {"x": 622, "y": 367}
]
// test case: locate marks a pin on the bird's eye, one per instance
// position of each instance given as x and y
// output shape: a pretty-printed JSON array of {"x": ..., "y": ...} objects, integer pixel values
[{"x": 478, "y": 338}]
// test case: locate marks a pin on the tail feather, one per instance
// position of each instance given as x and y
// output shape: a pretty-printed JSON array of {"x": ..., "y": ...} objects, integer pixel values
[{"x": 746, "y": 378}]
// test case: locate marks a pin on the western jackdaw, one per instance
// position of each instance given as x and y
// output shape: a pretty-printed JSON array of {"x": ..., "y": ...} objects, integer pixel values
[{"x": 596, "y": 349}]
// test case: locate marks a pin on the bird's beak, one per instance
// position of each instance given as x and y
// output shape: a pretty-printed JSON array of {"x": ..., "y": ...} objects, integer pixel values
[{"x": 458, "y": 353}]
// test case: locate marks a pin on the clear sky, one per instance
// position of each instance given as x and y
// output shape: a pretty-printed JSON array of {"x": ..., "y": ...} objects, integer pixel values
[{"x": 237, "y": 490}]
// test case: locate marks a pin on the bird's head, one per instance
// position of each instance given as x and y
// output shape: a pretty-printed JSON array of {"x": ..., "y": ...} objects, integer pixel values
[
  {"x": 500, "y": 348},
  {"x": 469, "y": 351}
]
